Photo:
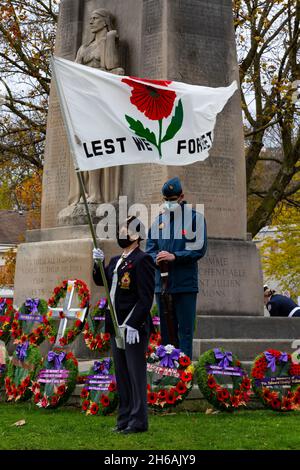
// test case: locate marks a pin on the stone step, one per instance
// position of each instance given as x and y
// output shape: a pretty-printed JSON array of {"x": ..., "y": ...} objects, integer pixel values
[
  {"x": 247, "y": 327},
  {"x": 245, "y": 349}
]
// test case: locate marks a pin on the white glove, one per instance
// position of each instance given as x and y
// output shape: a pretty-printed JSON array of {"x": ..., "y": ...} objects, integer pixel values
[
  {"x": 132, "y": 336},
  {"x": 98, "y": 254}
]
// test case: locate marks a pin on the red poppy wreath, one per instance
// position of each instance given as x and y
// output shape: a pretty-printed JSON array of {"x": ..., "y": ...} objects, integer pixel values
[
  {"x": 29, "y": 322},
  {"x": 276, "y": 380},
  {"x": 222, "y": 380},
  {"x": 21, "y": 371},
  {"x": 99, "y": 395},
  {"x": 55, "y": 380},
  {"x": 170, "y": 377},
  {"x": 59, "y": 294}
]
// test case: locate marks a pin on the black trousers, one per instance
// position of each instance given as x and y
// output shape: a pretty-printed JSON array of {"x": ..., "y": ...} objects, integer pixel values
[{"x": 131, "y": 378}]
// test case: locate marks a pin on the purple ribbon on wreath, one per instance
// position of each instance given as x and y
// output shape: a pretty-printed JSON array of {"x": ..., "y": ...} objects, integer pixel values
[
  {"x": 2, "y": 304},
  {"x": 102, "y": 366},
  {"x": 102, "y": 302},
  {"x": 21, "y": 351},
  {"x": 271, "y": 359},
  {"x": 2, "y": 368},
  {"x": 57, "y": 358},
  {"x": 32, "y": 305},
  {"x": 167, "y": 358},
  {"x": 224, "y": 358}
]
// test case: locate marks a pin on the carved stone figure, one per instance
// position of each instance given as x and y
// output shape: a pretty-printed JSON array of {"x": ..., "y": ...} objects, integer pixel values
[{"x": 102, "y": 53}]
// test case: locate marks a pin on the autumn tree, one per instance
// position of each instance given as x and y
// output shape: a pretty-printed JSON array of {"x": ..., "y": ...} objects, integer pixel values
[
  {"x": 27, "y": 35},
  {"x": 268, "y": 42},
  {"x": 280, "y": 252}
]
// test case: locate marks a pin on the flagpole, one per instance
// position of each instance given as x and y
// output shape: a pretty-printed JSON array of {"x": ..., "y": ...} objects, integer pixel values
[{"x": 90, "y": 222}]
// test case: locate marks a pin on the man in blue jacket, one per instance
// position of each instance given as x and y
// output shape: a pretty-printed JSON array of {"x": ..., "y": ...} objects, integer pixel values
[{"x": 176, "y": 241}]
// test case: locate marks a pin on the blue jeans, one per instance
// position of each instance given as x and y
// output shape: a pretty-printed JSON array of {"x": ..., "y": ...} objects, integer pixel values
[{"x": 184, "y": 305}]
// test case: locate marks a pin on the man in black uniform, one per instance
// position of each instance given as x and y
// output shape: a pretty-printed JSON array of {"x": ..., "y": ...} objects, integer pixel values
[
  {"x": 131, "y": 281},
  {"x": 279, "y": 305}
]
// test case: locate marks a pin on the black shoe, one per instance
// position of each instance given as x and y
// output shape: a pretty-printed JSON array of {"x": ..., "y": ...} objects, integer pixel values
[
  {"x": 119, "y": 428},
  {"x": 131, "y": 430}
]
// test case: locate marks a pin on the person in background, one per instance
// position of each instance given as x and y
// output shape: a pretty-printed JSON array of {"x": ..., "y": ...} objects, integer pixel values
[
  {"x": 280, "y": 305},
  {"x": 131, "y": 281},
  {"x": 176, "y": 256}
]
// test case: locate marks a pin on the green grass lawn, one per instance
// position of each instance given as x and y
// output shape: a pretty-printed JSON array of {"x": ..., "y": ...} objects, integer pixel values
[{"x": 67, "y": 428}]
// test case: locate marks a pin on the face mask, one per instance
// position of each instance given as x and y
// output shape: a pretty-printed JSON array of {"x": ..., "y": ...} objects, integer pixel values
[
  {"x": 124, "y": 242},
  {"x": 171, "y": 205}
]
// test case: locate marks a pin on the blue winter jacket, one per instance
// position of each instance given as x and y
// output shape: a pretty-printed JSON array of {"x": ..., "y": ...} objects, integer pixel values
[{"x": 183, "y": 233}]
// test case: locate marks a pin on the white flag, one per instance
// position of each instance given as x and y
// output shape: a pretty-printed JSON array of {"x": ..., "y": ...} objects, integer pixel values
[{"x": 119, "y": 120}]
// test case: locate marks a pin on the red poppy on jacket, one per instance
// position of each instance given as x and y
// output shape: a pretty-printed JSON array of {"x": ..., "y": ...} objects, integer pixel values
[{"x": 155, "y": 103}]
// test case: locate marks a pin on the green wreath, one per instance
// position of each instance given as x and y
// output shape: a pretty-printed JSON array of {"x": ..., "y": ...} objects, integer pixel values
[
  {"x": 99, "y": 395},
  {"x": 55, "y": 380},
  {"x": 170, "y": 377},
  {"x": 59, "y": 293},
  {"x": 213, "y": 369},
  {"x": 25, "y": 329},
  {"x": 21, "y": 372},
  {"x": 7, "y": 313},
  {"x": 94, "y": 329},
  {"x": 276, "y": 380}
]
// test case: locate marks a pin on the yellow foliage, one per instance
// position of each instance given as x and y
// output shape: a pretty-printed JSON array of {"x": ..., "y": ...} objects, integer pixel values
[
  {"x": 29, "y": 194},
  {"x": 281, "y": 253},
  {"x": 7, "y": 272}
]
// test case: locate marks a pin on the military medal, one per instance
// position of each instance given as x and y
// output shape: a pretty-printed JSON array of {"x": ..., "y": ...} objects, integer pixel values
[{"x": 125, "y": 281}]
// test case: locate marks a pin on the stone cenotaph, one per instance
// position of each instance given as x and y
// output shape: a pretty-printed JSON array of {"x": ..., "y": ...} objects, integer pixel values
[{"x": 190, "y": 41}]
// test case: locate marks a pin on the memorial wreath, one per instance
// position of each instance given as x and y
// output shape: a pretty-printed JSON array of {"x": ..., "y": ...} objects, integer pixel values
[
  {"x": 21, "y": 371},
  {"x": 24, "y": 327},
  {"x": 55, "y": 380},
  {"x": 214, "y": 368},
  {"x": 94, "y": 329},
  {"x": 7, "y": 313},
  {"x": 99, "y": 395},
  {"x": 276, "y": 380},
  {"x": 170, "y": 377},
  {"x": 60, "y": 292}
]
